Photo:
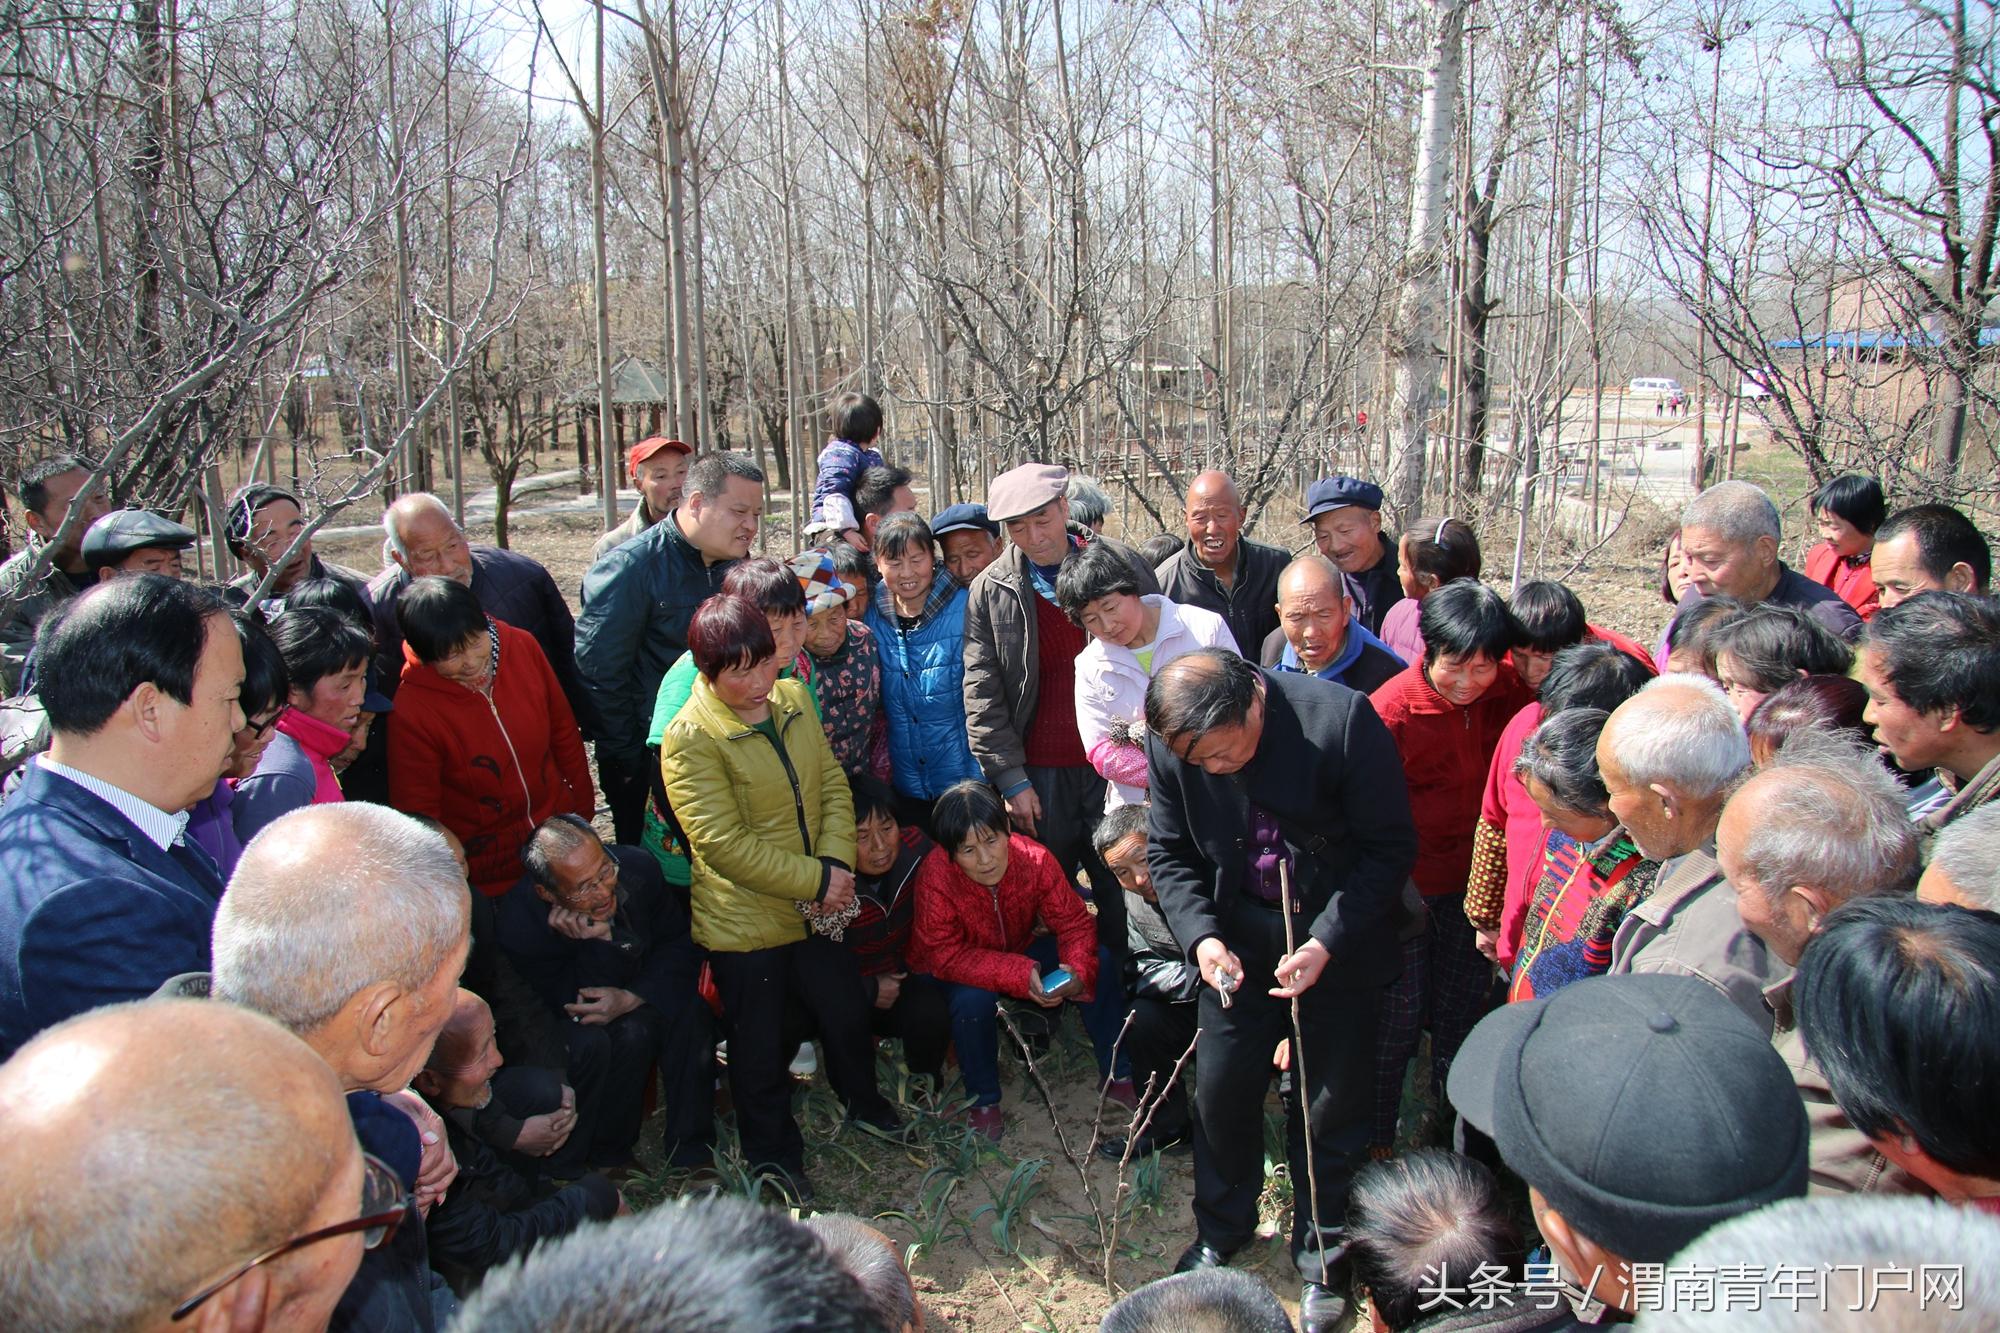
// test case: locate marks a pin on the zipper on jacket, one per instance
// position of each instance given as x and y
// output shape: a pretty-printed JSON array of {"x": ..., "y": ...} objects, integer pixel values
[
  {"x": 519, "y": 772},
  {"x": 798, "y": 799}
]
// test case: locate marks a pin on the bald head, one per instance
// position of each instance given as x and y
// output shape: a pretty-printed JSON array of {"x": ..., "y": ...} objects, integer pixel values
[
  {"x": 1214, "y": 520},
  {"x": 458, "y": 1041},
  {"x": 424, "y": 538},
  {"x": 1314, "y": 610},
  {"x": 151, "y": 1148}
]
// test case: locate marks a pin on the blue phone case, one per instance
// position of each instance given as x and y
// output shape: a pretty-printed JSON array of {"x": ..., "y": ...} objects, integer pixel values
[{"x": 1054, "y": 979}]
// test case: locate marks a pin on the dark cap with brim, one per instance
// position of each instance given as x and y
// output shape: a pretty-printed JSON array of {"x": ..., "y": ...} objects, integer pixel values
[
  {"x": 1331, "y": 493},
  {"x": 124, "y": 531},
  {"x": 963, "y": 518},
  {"x": 1645, "y": 1108}
]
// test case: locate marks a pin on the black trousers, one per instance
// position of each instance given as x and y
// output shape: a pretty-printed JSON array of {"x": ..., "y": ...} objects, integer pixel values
[
  {"x": 770, "y": 997},
  {"x": 611, "y": 1104},
  {"x": 921, "y": 1019},
  {"x": 1072, "y": 804},
  {"x": 1158, "y": 1037},
  {"x": 1234, "y": 1070},
  {"x": 626, "y": 789}
]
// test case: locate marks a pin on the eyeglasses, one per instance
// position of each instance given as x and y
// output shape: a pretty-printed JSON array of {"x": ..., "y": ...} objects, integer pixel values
[
  {"x": 384, "y": 1202},
  {"x": 257, "y": 729}
]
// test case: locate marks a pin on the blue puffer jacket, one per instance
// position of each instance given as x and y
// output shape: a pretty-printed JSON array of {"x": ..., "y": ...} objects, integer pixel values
[{"x": 923, "y": 675}]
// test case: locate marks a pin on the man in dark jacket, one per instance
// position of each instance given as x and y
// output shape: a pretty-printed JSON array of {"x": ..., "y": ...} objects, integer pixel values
[
  {"x": 597, "y": 934},
  {"x": 1161, "y": 983},
  {"x": 637, "y": 602},
  {"x": 1020, "y": 680},
  {"x": 1345, "y": 514},
  {"x": 1219, "y": 569},
  {"x": 102, "y": 898},
  {"x": 1318, "y": 633},
  {"x": 1261, "y": 784},
  {"x": 262, "y": 524},
  {"x": 492, "y": 1212}
]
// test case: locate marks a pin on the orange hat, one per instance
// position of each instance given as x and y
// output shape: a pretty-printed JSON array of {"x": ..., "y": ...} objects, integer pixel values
[{"x": 646, "y": 448}]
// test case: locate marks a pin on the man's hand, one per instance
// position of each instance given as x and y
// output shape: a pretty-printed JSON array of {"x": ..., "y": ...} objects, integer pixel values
[
  {"x": 576, "y": 925},
  {"x": 1488, "y": 942},
  {"x": 1035, "y": 991},
  {"x": 888, "y": 988},
  {"x": 1215, "y": 960},
  {"x": 1025, "y": 809},
  {"x": 547, "y": 1133},
  {"x": 839, "y": 889},
  {"x": 598, "y": 1005},
  {"x": 437, "y": 1168},
  {"x": 1298, "y": 970}
]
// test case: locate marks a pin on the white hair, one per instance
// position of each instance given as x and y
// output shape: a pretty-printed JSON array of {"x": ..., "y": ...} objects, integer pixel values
[
  {"x": 1088, "y": 503},
  {"x": 1851, "y": 1248},
  {"x": 1837, "y": 823},
  {"x": 1681, "y": 731},
  {"x": 1737, "y": 511},
  {"x": 1967, "y": 850},
  {"x": 407, "y": 507},
  {"x": 329, "y": 900}
]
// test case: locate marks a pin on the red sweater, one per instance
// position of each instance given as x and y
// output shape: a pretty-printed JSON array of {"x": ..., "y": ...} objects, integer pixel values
[
  {"x": 489, "y": 771},
  {"x": 1853, "y": 579},
  {"x": 976, "y": 936},
  {"x": 1446, "y": 751},
  {"x": 1052, "y": 740}
]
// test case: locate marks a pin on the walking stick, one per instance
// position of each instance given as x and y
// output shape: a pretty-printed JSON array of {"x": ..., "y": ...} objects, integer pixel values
[{"x": 1302, "y": 1089}]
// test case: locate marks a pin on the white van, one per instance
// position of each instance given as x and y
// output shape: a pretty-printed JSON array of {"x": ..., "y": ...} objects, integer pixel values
[{"x": 1653, "y": 386}]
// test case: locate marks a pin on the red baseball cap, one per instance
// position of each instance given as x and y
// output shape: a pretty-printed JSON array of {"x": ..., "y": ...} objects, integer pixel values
[{"x": 646, "y": 448}]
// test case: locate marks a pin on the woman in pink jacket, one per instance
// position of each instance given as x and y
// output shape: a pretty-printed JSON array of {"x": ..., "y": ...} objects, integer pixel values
[{"x": 1131, "y": 637}]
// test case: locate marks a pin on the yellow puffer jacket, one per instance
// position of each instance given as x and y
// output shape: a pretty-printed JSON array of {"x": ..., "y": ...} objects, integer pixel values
[{"x": 757, "y": 821}]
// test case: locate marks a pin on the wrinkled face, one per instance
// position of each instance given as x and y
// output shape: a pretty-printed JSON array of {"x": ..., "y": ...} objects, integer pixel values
[
  {"x": 1222, "y": 750},
  {"x": 1638, "y": 808},
  {"x": 1899, "y": 570},
  {"x": 250, "y": 742},
  {"x": 1313, "y": 614},
  {"x": 423, "y": 1015},
  {"x": 722, "y": 527},
  {"x": 1127, "y": 861},
  {"x": 747, "y": 689},
  {"x": 982, "y": 856},
  {"x": 968, "y": 551},
  {"x": 1532, "y": 666},
  {"x": 470, "y": 664},
  {"x": 335, "y": 699},
  {"x": 659, "y": 480},
  {"x": 1118, "y": 618},
  {"x": 471, "y": 1085},
  {"x": 1578, "y": 824},
  {"x": 1350, "y": 537},
  {"x": 908, "y": 574},
  {"x": 434, "y": 545},
  {"x": 62, "y": 489},
  {"x": 1043, "y": 535},
  {"x": 1843, "y": 536},
  {"x": 1717, "y": 565},
  {"x": 147, "y": 560},
  {"x": 788, "y": 631},
  {"x": 1462, "y": 678},
  {"x": 586, "y": 880},
  {"x": 1214, "y": 525},
  {"x": 273, "y": 529},
  {"x": 1784, "y": 922},
  {"x": 1915, "y": 740},
  {"x": 202, "y": 734},
  {"x": 826, "y": 630},
  {"x": 876, "y": 841}
]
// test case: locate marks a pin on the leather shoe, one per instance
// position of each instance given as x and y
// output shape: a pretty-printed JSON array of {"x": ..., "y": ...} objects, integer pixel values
[
  {"x": 1321, "y": 1309},
  {"x": 1200, "y": 1255}
]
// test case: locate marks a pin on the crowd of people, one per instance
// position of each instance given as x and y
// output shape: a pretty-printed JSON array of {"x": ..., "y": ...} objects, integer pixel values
[{"x": 324, "y": 991}]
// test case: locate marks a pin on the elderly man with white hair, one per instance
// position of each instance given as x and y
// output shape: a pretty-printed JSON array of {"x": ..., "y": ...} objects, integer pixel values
[
  {"x": 349, "y": 924},
  {"x": 1668, "y": 757},
  {"x": 1821, "y": 826},
  {"x": 1730, "y": 535},
  {"x": 1964, "y": 869}
]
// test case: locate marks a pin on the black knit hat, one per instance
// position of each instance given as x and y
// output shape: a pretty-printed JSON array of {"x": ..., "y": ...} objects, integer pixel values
[{"x": 1645, "y": 1108}]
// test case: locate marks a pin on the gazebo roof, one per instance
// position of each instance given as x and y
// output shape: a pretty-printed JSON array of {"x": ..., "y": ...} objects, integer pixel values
[{"x": 634, "y": 382}]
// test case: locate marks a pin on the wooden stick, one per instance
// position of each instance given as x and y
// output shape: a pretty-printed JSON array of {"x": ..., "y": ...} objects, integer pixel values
[{"x": 1301, "y": 1089}]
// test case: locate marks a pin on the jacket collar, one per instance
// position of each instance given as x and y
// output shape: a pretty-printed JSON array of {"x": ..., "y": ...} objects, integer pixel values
[
  {"x": 1351, "y": 647},
  {"x": 320, "y": 739},
  {"x": 111, "y": 826},
  {"x": 720, "y": 720},
  {"x": 943, "y": 588},
  {"x": 1121, "y": 658},
  {"x": 1681, "y": 879}
]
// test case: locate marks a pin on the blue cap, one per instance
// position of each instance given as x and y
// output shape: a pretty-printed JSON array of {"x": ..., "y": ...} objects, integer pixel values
[
  {"x": 964, "y": 518},
  {"x": 1331, "y": 493}
]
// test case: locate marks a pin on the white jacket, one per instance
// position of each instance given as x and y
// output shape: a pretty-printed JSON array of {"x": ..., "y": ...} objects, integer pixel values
[{"x": 1111, "y": 688}]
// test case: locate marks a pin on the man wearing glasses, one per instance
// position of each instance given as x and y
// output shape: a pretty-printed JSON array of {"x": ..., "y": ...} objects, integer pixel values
[{"x": 180, "y": 1164}]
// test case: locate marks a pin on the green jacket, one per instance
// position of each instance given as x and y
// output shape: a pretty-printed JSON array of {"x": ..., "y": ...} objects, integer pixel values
[{"x": 765, "y": 822}]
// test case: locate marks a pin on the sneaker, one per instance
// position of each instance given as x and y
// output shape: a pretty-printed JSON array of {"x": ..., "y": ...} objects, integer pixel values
[
  {"x": 1120, "y": 1090},
  {"x": 987, "y": 1120}
]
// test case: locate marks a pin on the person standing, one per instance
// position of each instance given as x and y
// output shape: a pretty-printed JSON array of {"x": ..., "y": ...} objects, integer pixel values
[
  {"x": 1020, "y": 681},
  {"x": 1345, "y": 514},
  {"x": 47, "y": 490},
  {"x": 659, "y": 468},
  {"x": 1848, "y": 510},
  {"x": 1259, "y": 780},
  {"x": 1318, "y": 634},
  {"x": 1222, "y": 571}
]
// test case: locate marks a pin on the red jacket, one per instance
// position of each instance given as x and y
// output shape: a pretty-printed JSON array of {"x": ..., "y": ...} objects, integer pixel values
[
  {"x": 488, "y": 770},
  {"x": 1446, "y": 751},
  {"x": 976, "y": 936},
  {"x": 1853, "y": 579}
]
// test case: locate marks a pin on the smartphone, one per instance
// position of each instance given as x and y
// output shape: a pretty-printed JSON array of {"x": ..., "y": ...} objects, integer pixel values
[{"x": 1052, "y": 980}]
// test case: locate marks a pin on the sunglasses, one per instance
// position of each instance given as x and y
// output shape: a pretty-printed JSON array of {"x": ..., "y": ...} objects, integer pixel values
[{"x": 384, "y": 1203}]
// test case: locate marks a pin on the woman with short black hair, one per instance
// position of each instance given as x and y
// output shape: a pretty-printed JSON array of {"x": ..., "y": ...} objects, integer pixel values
[
  {"x": 482, "y": 739},
  {"x": 326, "y": 665},
  {"x": 1768, "y": 646},
  {"x": 1848, "y": 510},
  {"x": 211, "y": 823},
  {"x": 1447, "y": 714}
]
